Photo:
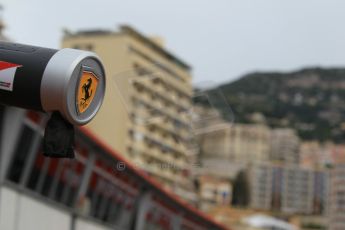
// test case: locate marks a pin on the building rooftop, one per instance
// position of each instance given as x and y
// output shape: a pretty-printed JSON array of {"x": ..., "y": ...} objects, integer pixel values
[
  {"x": 125, "y": 29},
  {"x": 92, "y": 32}
]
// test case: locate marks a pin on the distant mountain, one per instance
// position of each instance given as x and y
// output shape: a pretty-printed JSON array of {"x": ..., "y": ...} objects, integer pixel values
[{"x": 312, "y": 101}]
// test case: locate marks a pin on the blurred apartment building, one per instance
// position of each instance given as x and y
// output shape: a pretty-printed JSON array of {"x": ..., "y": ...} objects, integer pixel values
[
  {"x": 314, "y": 154},
  {"x": 288, "y": 189},
  {"x": 260, "y": 185},
  {"x": 337, "y": 198},
  {"x": 237, "y": 142},
  {"x": 284, "y": 146},
  {"x": 145, "y": 111},
  {"x": 214, "y": 191},
  {"x": 227, "y": 148}
]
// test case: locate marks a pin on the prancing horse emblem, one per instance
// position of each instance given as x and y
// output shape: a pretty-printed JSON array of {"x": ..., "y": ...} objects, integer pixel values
[{"x": 86, "y": 90}]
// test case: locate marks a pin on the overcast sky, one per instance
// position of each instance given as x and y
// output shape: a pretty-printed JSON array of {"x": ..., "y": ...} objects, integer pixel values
[{"x": 221, "y": 39}]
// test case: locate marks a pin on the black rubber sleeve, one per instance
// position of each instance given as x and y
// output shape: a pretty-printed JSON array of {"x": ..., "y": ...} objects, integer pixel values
[{"x": 27, "y": 79}]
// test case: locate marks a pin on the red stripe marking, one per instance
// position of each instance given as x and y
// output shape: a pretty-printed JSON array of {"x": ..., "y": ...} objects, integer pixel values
[{"x": 7, "y": 65}]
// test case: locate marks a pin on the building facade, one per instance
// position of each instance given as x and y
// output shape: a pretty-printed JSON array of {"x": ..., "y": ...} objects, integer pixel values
[
  {"x": 236, "y": 142},
  {"x": 260, "y": 184},
  {"x": 314, "y": 154},
  {"x": 214, "y": 191},
  {"x": 145, "y": 111},
  {"x": 288, "y": 189},
  {"x": 226, "y": 148},
  {"x": 284, "y": 146},
  {"x": 297, "y": 191},
  {"x": 337, "y": 198},
  {"x": 228, "y": 141}
]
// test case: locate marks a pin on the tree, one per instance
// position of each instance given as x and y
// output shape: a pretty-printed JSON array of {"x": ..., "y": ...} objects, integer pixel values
[{"x": 241, "y": 190}]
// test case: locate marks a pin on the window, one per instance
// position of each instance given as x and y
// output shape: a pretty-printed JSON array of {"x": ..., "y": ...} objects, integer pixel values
[
  {"x": 138, "y": 136},
  {"x": 111, "y": 200},
  {"x": 161, "y": 66},
  {"x": 58, "y": 179},
  {"x": 140, "y": 70},
  {"x": 68, "y": 181}
]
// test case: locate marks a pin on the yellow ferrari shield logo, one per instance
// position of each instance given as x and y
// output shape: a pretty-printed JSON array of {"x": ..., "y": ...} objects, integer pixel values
[{"x": 86, "y": 90}]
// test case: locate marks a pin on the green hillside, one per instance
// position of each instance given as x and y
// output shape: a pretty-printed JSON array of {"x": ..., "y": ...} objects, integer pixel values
[{"x": 312, "y": 101}]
